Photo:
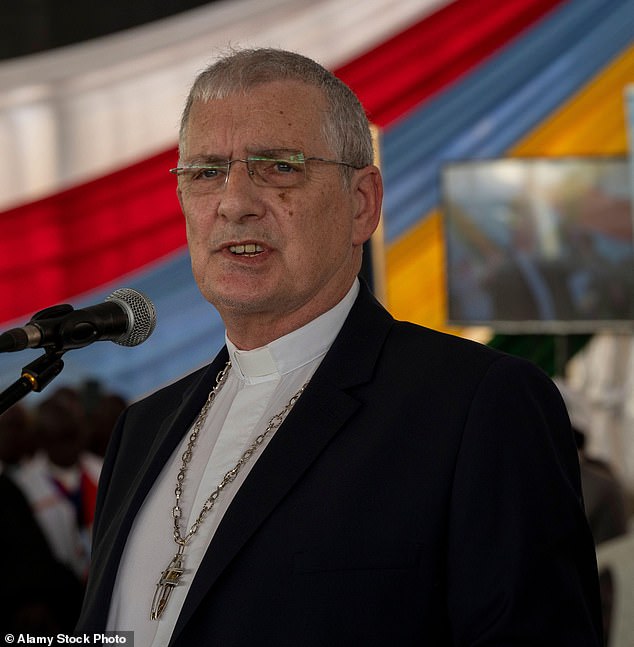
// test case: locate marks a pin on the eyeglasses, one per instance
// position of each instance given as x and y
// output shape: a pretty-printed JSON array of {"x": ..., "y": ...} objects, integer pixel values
[{"x": 285, "y": 171}]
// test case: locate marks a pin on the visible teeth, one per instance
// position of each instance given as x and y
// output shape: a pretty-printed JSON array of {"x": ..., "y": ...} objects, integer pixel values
[{"x": 250, "y": 248}]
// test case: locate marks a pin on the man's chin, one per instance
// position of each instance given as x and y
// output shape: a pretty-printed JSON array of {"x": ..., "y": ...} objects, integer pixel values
[{"x": 244, "y": 301}]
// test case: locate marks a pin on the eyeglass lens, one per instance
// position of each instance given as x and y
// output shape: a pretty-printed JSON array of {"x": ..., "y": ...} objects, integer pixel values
[{"x": 278, "y": 173}]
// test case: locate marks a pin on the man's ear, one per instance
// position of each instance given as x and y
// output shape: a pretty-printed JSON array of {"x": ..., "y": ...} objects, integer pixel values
[{"x": 367, "y": 188}]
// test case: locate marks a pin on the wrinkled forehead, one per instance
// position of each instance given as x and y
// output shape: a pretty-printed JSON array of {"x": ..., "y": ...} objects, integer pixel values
[{"x": 280, "y": 114}]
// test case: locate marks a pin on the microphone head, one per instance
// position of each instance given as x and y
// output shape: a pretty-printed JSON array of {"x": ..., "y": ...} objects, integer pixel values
[{"x": 141, "y": 315}]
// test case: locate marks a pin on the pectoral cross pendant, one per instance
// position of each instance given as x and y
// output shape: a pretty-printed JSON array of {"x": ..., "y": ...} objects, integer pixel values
[{"x": 169, "y": 579}]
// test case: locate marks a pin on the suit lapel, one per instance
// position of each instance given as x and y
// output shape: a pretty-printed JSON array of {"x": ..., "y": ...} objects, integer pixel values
[
  {"x": 169, "y": 433},
  {"x": 298, "y": 442}
]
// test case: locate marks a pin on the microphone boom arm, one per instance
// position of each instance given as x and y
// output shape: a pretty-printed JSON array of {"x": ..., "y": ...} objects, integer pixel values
[{"x": 35, "y": 377}]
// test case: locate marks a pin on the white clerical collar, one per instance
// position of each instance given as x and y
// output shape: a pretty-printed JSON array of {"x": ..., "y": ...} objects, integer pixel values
[{"x": 294, "y": 350}]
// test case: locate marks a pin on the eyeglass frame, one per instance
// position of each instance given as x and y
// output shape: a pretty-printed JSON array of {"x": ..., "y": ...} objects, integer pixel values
[{"x": 293, "y": 158}]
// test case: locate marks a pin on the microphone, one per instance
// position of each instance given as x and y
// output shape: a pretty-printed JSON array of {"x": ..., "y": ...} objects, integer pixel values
[{"x": 127, "y": 317}]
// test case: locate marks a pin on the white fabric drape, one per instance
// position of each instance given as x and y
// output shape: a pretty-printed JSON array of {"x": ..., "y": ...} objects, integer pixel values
[{"x": 71, "y": 114}]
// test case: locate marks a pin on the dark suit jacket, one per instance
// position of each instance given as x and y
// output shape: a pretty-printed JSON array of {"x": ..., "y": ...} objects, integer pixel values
[
  {"x": 424, "y": 490},
  {"x": 38, "y": 594}
]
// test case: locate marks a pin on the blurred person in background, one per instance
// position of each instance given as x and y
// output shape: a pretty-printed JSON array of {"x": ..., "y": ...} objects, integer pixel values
[
  {"x": 38, "y": 595},
  {"x": 101, "y": 419},
  {"x": 604, "y": 495},
  {"x": 60, "y": 482},
  {"x": 605, "y": 503}
]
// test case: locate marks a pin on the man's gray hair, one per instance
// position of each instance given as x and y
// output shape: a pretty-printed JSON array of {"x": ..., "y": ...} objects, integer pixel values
[{"x": 345, "y": 126}]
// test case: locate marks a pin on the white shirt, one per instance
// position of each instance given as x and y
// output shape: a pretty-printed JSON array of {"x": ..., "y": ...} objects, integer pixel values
[{"x": 259, "y": 385}]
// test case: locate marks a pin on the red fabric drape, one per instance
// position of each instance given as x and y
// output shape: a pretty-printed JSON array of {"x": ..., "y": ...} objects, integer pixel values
[
  {"x": 404, "y": 71},
  {"x": 88, "y": 235}
]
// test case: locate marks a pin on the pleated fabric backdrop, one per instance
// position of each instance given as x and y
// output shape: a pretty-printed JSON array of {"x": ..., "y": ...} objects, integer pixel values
[{"x": 90, "y": 131}]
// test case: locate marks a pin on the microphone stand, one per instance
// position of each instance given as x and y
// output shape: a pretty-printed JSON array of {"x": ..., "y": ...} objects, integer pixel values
[{"x": 35, "y": 377}]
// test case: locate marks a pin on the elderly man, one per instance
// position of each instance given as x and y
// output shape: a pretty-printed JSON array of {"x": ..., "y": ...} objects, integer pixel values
[{"x": 333, "y": 477}]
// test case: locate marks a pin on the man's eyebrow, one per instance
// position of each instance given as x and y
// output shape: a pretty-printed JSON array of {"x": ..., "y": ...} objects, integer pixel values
[
  {"x": 274, "y": 153},
  {"x": 201, "y": 160}
]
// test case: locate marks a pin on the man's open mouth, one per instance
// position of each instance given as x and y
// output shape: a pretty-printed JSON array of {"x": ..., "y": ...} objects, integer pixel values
[{"x": 250, "y": 249}]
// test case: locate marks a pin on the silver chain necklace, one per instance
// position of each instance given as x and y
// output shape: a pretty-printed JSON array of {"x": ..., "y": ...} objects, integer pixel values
[{"x": 170, "y": 577}]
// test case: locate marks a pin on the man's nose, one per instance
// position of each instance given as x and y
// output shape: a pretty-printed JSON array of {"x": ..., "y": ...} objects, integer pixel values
[{"x": 239, "y": 197}]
